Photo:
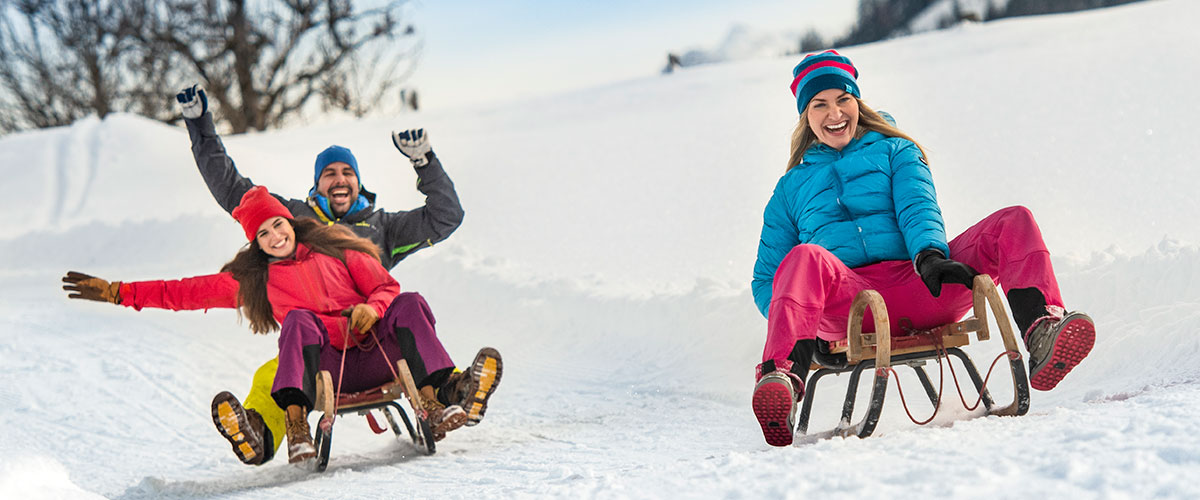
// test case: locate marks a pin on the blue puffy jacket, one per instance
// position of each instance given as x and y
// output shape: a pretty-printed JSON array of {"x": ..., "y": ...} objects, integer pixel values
[{"x": 870, "y": 202}]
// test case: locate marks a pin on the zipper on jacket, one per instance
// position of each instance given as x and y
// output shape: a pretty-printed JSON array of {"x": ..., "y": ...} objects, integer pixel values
[{"x": 846, "y": 211}]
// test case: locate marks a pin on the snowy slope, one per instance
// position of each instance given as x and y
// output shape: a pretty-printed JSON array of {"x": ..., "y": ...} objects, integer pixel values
[{"x": 606, "y": 251}]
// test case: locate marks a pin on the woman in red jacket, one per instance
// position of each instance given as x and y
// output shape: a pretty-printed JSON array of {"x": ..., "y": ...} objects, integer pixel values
[{"x": 325, "y": 290}]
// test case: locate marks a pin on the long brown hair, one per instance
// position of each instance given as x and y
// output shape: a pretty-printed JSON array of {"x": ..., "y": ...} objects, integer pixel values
[
  {"x": 250, "y": 266},
  {"x": 868, "y": 120}
]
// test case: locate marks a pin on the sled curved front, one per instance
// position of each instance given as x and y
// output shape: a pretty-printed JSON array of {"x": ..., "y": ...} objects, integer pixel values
[
  {"x": 985, "y": 296},
  {"x": 880, "y": 351},
  {"x": 882, "y": 340}
]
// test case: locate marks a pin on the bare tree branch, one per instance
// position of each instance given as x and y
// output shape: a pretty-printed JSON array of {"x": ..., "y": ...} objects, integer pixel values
[{"x": 265, "y": 63}]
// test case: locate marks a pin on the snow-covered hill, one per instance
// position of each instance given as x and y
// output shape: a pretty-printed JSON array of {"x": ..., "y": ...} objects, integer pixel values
[{"x": 606, "y": 251}]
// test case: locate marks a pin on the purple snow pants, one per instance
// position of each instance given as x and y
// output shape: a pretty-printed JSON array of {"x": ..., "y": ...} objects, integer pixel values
[
  {"x": 813, "y": 290},
  {"x": 405, "y": 332}
]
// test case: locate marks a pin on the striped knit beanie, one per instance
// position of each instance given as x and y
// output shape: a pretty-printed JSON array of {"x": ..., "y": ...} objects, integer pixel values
[{"x": 823, "y": 71}]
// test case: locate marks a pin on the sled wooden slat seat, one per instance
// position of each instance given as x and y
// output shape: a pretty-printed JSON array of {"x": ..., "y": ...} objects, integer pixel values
[
  {"x": 390, "y": 391},
  {"x": 952, "y": 335},
  {"x": 880, "y": 350}
]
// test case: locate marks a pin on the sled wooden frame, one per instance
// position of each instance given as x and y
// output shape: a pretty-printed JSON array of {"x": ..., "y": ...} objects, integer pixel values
[
  {"x": 380, "y": 398},
  {"x": 880, "y": 350}
]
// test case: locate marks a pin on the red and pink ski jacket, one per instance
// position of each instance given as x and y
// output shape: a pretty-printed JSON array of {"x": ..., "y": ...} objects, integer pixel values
[{"x": 308, "y": 281}]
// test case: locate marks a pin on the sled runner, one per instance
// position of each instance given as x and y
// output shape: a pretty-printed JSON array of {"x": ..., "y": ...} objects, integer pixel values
[
  {"x": 882, "y": 350},
  {"x": 383, "y": 398}
]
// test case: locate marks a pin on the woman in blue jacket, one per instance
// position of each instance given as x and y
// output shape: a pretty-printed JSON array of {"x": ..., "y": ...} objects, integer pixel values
[{"x": 857, "y": 210}]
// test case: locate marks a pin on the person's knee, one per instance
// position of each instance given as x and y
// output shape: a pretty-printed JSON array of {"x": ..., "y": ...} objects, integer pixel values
[
  {"x": 301, "y": 324},
  {"x": 264, "y": 376},
  {"x": 407, "y": 299},
  {"x": 405, "y": 307},
  {"x": 1017, "y": 213},
  {"x": 299, "y": 317}
]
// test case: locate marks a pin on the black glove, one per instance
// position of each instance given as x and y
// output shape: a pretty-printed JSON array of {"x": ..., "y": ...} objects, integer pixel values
[
  {"x": 192, "y": 102},
  {"x": 91, "y": 288},
  {"x": 936, "y": 270}
]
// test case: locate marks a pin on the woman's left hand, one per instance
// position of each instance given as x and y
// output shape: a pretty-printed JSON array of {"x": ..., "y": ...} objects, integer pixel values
[
  {"x": 362, "y": 318},
  {"x": 936, "y": 270}
]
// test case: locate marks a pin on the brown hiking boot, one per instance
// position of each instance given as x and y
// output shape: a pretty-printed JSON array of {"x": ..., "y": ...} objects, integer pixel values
[
  {"x": 300, "y": 443},
  {"x": 442, "y": 418},
  {"x": 472, "y": 388},
  {"x": 244, "y": 429}
]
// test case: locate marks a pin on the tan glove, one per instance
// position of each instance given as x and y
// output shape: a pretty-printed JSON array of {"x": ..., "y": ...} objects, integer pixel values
[
  {"x": 92, "y": 288},
  {"x": 362, "y": 318}
]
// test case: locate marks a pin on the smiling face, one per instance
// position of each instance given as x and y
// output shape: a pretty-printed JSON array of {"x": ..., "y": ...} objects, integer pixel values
[
  {"x": 833, "y": 117},
  {"x": 339, "y": 184},
  {"x": 276, "y": 237}
]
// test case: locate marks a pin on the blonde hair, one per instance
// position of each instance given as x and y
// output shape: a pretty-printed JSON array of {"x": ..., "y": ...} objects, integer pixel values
[{"x": 869, "y": 120}]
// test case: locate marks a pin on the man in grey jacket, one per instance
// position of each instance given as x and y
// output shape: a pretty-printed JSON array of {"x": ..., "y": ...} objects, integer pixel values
[{"x": 337, "y": 197}]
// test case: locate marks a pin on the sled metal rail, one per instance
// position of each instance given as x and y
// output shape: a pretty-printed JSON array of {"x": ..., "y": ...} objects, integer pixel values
[{"x": 881, "y": 350}]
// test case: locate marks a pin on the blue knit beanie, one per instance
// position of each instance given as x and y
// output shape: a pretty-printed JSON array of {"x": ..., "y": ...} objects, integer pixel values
[
  {"x": 334, "y": 154},
  {"x": 823, "y": 71}
]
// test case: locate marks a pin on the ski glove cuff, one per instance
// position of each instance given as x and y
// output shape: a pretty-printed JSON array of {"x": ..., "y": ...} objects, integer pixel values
[
  {"x": 936, "y": 270},
  {"x": 192, "y": 102},
  {"x": 89, "y": 287},
  {"x": 413, "y": 144}
]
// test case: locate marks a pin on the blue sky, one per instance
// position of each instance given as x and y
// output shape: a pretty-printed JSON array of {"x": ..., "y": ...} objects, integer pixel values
[{"x": 477, "y": 50}]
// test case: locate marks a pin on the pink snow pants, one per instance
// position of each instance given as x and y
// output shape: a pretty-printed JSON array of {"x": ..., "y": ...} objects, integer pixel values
[{"x": 813, "y": 290}]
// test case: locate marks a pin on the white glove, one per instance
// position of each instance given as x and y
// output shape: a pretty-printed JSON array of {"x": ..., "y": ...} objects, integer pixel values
[
  {"x": 192, "y": 102},
  {"x": 414, "y": 144}
]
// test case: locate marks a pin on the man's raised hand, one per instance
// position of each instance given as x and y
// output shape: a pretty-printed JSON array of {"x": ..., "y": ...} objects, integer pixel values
[
  {"x": 414, "y": 144},
  {"x": 192, "y": 102}
]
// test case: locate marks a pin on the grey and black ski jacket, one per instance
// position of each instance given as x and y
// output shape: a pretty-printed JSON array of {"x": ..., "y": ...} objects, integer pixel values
[{"x": 398, "y": 234}]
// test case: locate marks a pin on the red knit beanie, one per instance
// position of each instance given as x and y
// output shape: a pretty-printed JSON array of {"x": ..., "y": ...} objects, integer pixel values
[{"x": 257, "y": 206}]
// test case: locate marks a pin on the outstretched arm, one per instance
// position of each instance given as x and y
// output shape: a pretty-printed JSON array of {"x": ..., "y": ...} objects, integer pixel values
[
  {"x": 224, "y": 181},
  {"x": 199, "y": 292},
  {"x": 409, "y": 231}
]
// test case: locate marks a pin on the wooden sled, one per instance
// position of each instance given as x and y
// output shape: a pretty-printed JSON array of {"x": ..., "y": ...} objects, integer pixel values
[
  {"x": 382, "y": 398},
  {"x": 882, "y": 350}
]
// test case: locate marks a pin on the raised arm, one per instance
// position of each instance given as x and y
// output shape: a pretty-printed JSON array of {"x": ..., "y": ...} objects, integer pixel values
[
  {"x": 224, "y": 181},
  {"x": 409, "y": 231}
]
